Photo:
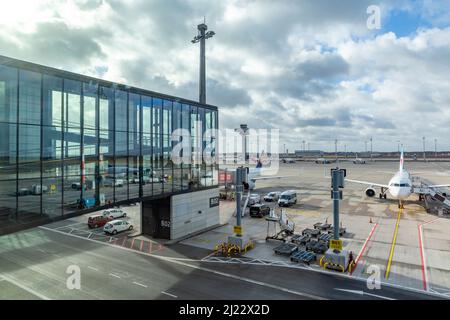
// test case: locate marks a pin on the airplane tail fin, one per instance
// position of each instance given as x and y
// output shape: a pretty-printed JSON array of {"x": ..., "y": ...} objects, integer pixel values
[{"x": 401, "y": 161}]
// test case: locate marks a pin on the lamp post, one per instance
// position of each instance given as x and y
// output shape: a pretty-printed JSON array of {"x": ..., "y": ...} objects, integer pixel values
[
  {"x": 201, "y": 37},
  {"x": 423, "y": 140},
  {"x": 435, "y": 148},
  {"x": 243, "y": 130},
  {"x": 335, "y": 148}
]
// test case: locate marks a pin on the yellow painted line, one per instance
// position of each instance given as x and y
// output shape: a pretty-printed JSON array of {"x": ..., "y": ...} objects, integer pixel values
[{"x": 394, "y": 239}]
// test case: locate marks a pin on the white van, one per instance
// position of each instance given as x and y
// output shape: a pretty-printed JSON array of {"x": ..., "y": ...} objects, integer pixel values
[{"x": 287, "y": 198}]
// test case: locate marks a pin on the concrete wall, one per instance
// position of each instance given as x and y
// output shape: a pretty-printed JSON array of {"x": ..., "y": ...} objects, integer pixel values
[{"x": 191, "y": 212}]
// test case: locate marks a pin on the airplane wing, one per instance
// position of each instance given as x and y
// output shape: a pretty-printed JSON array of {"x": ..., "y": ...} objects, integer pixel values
[
  {"x": 269, "y": 177},
  {"x": 368, "y": 183}
]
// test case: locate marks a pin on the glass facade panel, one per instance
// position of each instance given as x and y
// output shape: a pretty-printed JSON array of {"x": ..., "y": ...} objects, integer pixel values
[
  {"x": 67, "y": 139},
  {"x": 8, "y": 94},
  {"x": 157, "y": 156},
  {"x": 8, "y": 151},
  {"x": 29, "y": 97}
]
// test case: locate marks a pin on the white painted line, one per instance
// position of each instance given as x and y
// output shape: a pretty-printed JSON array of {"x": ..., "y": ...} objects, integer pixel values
[
  {"x": 140, "y": 284},
  {"x": 115, "y": 275},
  {"x": 362, "y": 293},
  {"x": 90, "y": 234},
  {"x": 29, "y": 290},
  {"x": 69, "y": 225},
  {"x": 169, "y": 294},
  {"x": 92, "y": 268},
  {"x": 168, "y": 259}
]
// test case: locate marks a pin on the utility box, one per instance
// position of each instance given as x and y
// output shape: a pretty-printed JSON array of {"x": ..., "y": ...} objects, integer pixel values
[{"x": 342, "y": 173}]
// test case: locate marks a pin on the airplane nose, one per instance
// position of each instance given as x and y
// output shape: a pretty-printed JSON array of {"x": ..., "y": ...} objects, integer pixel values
[{"x": 393, "y": 192}]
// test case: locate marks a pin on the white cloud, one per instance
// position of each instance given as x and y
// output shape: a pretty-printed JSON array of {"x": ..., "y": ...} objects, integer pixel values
[{"x": 310, "y": 68}]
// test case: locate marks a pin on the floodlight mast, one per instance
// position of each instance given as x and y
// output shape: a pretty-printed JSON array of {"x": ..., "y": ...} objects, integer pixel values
[{"x": 201, "y": 37}]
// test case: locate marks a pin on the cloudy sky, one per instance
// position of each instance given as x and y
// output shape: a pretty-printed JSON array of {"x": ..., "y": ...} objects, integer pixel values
[{"x": 313, "y": 69}]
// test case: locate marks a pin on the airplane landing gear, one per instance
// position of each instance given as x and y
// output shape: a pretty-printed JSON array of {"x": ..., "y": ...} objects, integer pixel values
[
  {"x": 400, "y": 205},
  {"x": 383, "y": 193}
]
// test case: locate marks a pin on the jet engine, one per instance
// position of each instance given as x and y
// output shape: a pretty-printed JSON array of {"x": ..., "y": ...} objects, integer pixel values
[{"x": 370, "y": 192}]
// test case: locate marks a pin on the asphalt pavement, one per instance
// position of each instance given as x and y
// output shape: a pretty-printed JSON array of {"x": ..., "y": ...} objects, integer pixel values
[{"x": 38, "y": 264}]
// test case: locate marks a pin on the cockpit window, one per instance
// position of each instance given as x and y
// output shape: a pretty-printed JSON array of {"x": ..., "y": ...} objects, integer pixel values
[{"x": 400, "y": 185}]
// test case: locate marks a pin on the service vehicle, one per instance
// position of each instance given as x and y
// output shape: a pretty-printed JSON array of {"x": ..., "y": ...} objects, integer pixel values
[
  {"x": 287, "y": 198},
  {"x": 259, "y": 210},
  {"x": 272, "y": 196}
]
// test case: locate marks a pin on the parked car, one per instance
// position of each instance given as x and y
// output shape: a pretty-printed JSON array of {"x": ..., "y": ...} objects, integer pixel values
[
  {"x": 110, "y": 182},
  {"x": 23, "y": 192},
  {"x": 114, "y": 213},
  {"x": 272, "y": 196},
  {"x": 76, "y": 186},
  {"x": 259, "y": 210},
  {"x": 38, "y": 189},
  {"x": 287, "y": 198},
  {"x": 145, "y": 180},
  {"x": 116, "y": 226},
  {"x": 97, "y": 220},
  {"x": 254, "y": 198}
]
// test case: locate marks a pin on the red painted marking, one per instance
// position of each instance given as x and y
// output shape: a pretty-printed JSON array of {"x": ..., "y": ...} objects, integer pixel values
[
  {"x": 132, "y": 244},
  {"x": 150, "y": 247},
  {"x": 364, "y": 247},
  {"x": 142, "y": 244},
  {"x": 422, "y": 260},
  {"x": 422, "y": 254}
]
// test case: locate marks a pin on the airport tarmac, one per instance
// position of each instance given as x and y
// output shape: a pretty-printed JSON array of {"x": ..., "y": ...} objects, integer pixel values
[{"x": 410, "y": 247}]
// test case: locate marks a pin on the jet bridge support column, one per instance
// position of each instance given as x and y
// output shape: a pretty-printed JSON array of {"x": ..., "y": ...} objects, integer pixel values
[
  {"x": 238, "y": 240},
  {"x": 335, "y": 257}
]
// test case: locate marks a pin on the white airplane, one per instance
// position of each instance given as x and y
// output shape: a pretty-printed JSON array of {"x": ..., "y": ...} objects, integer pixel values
[
  {"x": 323, "y": 161},
  {"x": 400, "y": 186},
  {"x": 358, "y": 160}
]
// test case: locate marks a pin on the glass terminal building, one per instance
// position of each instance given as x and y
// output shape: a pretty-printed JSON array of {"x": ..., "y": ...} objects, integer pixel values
[{"x": 71, "y": 143}]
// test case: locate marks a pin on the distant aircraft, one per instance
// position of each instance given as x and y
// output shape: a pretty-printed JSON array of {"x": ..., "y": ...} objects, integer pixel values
[
  {"x": 358, "y": 160},
  {"x": 288, "y": 160},
  {"x": 323, "y": 161},
  {"x": 400, "y": 186}
]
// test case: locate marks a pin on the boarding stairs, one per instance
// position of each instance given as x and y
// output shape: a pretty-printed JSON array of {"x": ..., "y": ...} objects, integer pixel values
[{"x": 434, "y": 193}]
